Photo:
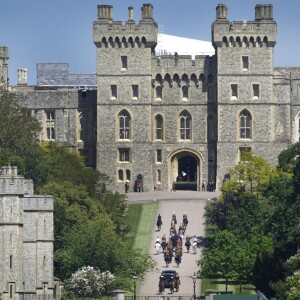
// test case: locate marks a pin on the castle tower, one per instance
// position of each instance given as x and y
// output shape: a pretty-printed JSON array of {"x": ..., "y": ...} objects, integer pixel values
[
  {"x": 124, "y": 52},
  {"x": 26, "y": 239},
  {"x": 249, "y": 119},
  {"x": 3, "y": 67}
]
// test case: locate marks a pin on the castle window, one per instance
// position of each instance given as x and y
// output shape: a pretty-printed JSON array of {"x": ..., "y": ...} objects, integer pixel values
[
  {"x": 158, "y": 156},
  {"x": 255, "y": 91},
  {"x": 135, "y": 92},
  {"x": 185, "y": 126},
  {"x": 124, "y": 63},
  {"x": 159, "y": 127},
  {"x": 84, "y": 126},
  {"x": 158, "y": 90},
  {"x": 124, "y": 125},
  {"x": 114, "y": 92},
  {"x": 124, "y": 155},
  {"x": 10, "y": 261},
  {"x": 128, "y": 175},
  {"x": 234, "y": 91},
  {"x": 245, "y": 125},
  {"x": 50, "y": 125},
  {"x": 10, "y": 291},
  {"x": 185, "y": 92},
  {"x": 120, "y": 175},
  {"x": 245, "y": 60},
  {"x": 158, "y": 176}
]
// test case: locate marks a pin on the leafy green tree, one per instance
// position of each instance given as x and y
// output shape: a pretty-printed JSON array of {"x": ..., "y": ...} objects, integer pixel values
[
  {"x": 18, "y": 130},
  {"x": 220, "y": 259},
  {"x": 248, "y": 175}
]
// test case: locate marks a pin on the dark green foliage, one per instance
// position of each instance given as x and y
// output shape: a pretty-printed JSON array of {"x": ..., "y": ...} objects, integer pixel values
[{"x": 18, "y": 130}]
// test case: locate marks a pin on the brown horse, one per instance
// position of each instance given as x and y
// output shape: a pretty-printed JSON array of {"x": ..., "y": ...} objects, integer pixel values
[
  {"x": 177, "y": 284},
  {"x": 161, "y": 286}
]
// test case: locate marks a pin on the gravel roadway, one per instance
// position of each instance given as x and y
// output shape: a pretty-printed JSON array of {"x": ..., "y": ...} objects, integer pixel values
[{"x": 179, "y": 202}]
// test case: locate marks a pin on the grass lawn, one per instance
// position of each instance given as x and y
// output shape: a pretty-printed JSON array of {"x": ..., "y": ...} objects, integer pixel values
[
  {"x": 219, "y": 284},
  {"x": 141, "y": 219}
]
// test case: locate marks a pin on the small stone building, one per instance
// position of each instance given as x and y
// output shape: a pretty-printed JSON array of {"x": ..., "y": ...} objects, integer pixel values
[{"x": 26, "y": 240}]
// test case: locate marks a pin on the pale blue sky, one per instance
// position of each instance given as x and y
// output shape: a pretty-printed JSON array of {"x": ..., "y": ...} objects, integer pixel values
[{"x": 39, "y": 31}]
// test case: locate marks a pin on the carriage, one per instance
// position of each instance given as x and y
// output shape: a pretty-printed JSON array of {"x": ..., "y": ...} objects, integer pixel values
[{"x": 169, "y": 279}]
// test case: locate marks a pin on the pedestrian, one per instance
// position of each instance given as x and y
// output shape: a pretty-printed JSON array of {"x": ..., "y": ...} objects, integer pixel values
[
  {"x": 173, "y": 187},
  {"x": 126, "y": 187},
  {"x": 138, "y": 187},
  {"x": 203, "y": 186}
]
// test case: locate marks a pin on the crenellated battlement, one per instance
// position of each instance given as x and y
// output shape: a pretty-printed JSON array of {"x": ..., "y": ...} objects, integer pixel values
[
  {"x": 14, "y": 184},
  {"x": 110, "y": 33},
  {"x": 258, "y": 33}
]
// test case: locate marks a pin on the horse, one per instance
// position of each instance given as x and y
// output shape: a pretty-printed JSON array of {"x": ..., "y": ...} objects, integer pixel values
[
  {"x": 178, "y": 259},
  {"x": 195, "y": 245},
  {"x": 164, "y": 245},
  {"x": 185, "y": 221},
  {"x": 188, "y": 245},
  {"x": 177, "y": 283},
  {"x": 158, "y": 224},
  {"x": 172, "y": 286},
  {"x": 168, "y": 258},
  {"x": 157, "y": 247},
  {"x": 161, "y": 286}
]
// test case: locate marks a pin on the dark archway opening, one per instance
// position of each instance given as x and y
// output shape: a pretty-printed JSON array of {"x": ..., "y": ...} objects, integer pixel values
[{"x": 187, "y": 173}]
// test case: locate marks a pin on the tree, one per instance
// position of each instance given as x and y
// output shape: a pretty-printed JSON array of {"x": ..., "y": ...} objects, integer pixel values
[
  {"x": 248, "y": 175},
  {"x": 220, "y": 259},
  {"x": 18, "y": 130}
]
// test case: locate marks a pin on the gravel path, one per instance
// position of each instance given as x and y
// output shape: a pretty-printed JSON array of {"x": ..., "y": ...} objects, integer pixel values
[{"x": 192, "y": 203}]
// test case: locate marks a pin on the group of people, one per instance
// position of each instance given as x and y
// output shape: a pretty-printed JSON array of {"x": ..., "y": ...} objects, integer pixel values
[{"x": 172, "y": 246}]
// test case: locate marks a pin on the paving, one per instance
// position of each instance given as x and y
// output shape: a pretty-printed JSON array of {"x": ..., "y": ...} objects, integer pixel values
[{"x": 179, "y": 202}]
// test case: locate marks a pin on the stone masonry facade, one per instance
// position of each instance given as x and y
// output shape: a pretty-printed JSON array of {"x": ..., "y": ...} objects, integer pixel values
[
  {"x": 147, "y": 119},
  {"x": 26, "y": 240}
]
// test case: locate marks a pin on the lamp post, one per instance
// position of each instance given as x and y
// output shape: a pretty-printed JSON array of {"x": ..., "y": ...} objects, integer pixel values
[
  {"x": 194, "y": 281},
  {"x": 134, "y": 278}
]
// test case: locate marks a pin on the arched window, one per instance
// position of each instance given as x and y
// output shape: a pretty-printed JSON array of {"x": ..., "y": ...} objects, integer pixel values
[
  {"x": 185, "y": 126},
  {"x": 158, "y": 92},
  {"x": 128, "y": 175},
  {"x": 124, "y": 125},
  {"x": 245, "y": 125},
  {"x": 158, "y": 176},
  {"x": 121, "y": 175},
  {"x": 84, "y": 124},
  {"x": 159, "y": 127},
  {"x": 185, "y": 92}
]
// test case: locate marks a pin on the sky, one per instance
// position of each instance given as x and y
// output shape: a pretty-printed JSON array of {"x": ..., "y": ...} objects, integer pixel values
[{"x": 60, "y": 31}]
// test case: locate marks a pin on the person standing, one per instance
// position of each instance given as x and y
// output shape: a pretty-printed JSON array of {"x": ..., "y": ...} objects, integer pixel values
[{"x": 203, "y": 186}]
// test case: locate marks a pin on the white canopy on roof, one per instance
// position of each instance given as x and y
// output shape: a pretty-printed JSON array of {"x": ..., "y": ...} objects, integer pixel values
[{"x": 169, "y": 44}]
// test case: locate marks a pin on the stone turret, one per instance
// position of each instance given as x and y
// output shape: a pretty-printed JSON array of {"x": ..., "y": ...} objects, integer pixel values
[
  {"x": 263, "y": 12},
  {"x": 22, "y": 76},
  {"x": 3, "y": 67},
  {"x": 221, "y": 11}
]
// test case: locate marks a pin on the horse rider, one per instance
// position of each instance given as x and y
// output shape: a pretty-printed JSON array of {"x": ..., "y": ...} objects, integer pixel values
[
  {"x": 159, "y": 221},
  {"x": 185, "y": 220},
  {"x": 187, "y": 244},
  {"x": 174, "y": 218}
]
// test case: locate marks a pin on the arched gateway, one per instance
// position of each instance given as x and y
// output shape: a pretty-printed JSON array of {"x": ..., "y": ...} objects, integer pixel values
[{"x": 185, "y": 169}]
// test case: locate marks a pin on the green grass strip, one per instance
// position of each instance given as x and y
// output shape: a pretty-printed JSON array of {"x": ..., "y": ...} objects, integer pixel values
[
  {"x": 218, "y": 284},
  {"x": 141, "y": 218}
]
